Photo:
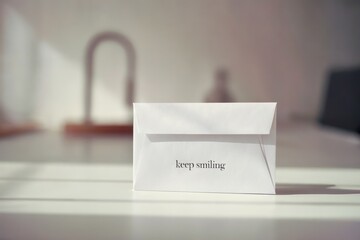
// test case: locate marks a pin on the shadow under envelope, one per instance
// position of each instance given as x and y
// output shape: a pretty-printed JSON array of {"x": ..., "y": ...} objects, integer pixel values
[
  {"x": 297, "y": 189},
  {"x": 234, "y": 138}
]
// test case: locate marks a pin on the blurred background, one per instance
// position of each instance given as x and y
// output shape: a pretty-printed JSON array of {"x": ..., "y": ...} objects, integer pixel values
[
  {"x": 273, "y": 50},
  {"x": 76, "y": 66},
  {"x": 70, "y": 70}
]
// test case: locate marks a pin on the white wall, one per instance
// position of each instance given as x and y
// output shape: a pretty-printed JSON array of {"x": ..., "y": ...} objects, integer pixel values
[
  {"x": 275, "y": 50},
  {"x": 17, "y": 48}
]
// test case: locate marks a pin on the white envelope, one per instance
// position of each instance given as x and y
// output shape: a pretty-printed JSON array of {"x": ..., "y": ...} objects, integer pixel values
[{"x": 205, "y": 147}]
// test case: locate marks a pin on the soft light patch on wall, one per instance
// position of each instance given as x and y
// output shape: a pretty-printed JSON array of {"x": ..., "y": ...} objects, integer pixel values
[{"x": 18, "y": 66}]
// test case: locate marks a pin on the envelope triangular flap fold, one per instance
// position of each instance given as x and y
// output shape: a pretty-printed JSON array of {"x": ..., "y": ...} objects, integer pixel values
[{"x": 204, "y": 118}]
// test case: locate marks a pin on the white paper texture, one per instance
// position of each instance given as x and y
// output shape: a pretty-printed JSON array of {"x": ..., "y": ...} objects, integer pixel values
[{"x": 240, "y": 137}]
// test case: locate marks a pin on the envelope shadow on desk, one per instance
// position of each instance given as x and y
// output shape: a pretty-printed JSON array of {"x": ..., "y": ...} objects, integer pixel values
[
  {"x": 293, "y": 189},
  {"x": 235, "y": 138}
]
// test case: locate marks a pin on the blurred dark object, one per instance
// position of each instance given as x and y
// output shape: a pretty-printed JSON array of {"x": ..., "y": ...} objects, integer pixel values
[
  {"x": 89, "y": 129},
  {"x": 220, "y": 91},
  {"x": 341, "y": 105},
  {"x": 88, "y": 126}
]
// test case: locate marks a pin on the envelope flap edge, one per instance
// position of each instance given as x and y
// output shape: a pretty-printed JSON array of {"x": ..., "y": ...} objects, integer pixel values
[{"x": 204, "y": 118}]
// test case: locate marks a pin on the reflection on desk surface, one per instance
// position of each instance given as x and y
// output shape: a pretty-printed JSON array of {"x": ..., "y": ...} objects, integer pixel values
[
  {"x": 57, "y": 187},
  {"x": 298, "y": 145}
]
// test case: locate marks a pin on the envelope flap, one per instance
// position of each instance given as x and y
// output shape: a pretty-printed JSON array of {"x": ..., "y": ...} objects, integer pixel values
[{"x": 204, "y": 118}]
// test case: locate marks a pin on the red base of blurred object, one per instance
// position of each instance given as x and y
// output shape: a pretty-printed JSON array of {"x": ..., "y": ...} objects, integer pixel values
[
  {"x": 16, "y": 129},
  {"x": 91, "y": 129}
]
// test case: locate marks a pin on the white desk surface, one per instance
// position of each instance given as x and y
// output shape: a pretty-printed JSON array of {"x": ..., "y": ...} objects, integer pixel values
[{"x": 55, "y": 187}]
